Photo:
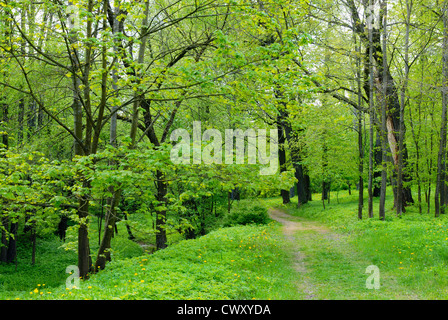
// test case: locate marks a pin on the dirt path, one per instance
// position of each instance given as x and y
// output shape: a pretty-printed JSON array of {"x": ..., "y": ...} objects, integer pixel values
[
  {"x": 290, "y": 226},
  {"x": 316, "y": 249}
]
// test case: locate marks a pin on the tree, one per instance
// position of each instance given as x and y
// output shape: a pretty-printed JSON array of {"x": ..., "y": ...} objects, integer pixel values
[{"x": 440, "y": 197}]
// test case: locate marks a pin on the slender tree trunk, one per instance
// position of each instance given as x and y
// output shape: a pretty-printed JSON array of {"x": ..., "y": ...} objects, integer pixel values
[
  {"x": 325, "y": 182},
  {"x": 282, "y": 155},
  {"x": 139, "y": 98},
  {"x": 371, "y": 115},
  {"x": 162, "y": 189},
  {"x": 400, "y": 201},
  {"x": 20, "y": 118},
  {"x": 441, "y": 157},
  {"x": 11, "y": 254},
  {"x": 360, "y": 143},
  {"x": 416, "y": 138},
  {"x": 109, "y": 226},
  {"x": 383, "y": 116},
  {"x": 84, "y": 259},
  {"x": 111, "y": 215},
  {"x": 430, "y": 167},
  {"x": 296, "y": 162}
]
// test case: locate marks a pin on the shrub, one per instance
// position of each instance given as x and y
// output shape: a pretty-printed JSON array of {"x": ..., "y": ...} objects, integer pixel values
[{"x": 243, "y": 213}]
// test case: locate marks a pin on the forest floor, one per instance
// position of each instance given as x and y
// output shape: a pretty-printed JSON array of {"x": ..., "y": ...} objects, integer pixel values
[
  {"x": 328, "y": 266},
  {"x": 307, "y": 253}
]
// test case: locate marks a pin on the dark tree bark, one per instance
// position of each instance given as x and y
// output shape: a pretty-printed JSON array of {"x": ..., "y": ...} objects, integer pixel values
[
  {"x": 109, "y": 227},
  {"x": 325, "y": 182},
  {"x": 31, "y": 123},
  {"x": 308, "y": 190},
  {"x": 359, "y": 129},
  {"x": 62, "y": 227},
  {"x": 282, "y": 156},
  {"x": 162, "y": 189},
  {"x": 84, "y": 259},
  {"x": 377, "y": 157},
  {"x": 384, "y": 119},
  {"x": 11, "y": 254},
  {"x": 296, "y": 159},
  {"x": 440, "y": 197}
]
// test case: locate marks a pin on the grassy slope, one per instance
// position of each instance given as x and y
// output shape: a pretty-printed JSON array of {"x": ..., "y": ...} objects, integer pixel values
[{"x": 242, "y": 262}]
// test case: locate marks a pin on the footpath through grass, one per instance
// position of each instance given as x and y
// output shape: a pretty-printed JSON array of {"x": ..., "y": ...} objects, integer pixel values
[{"x": 411, "y": 251}]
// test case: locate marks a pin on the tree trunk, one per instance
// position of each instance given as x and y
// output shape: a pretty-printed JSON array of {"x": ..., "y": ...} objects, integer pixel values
[
  {"x": 308, "y": 191},
  {"x": 400, "y": 165},
  {"x": 111, "y": 215},
  {"x": 162, "y": 189},
  {"x": 31, "y": 119},
  {"x": 377, "y": 159},
  {"x": 360, "y": 143},
  {"x": 84, "y": 259},
  {"x": 282, "y": 153},
  {"x": 11, "y": 254},
  {"x": 384, "y": 106},
  {"x": 109, "y": 225},
  {"x": 325, "y": 183},
  {"x": 298, "y": 167},
  {"x": 20, "y": 118},
  {"x": 441, "y": 156}
]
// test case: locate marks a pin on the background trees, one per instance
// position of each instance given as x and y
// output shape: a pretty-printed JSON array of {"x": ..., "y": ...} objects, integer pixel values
[{"x": 90, "y": 92}]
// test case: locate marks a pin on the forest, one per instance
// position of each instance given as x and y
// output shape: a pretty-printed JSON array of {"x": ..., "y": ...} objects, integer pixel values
[{"x": 238, "y": 149}]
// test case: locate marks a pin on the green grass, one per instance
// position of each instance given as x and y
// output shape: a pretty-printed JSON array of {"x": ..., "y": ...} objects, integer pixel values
[
  {"x": 246, "y": 262},
  {"x": 50, "y": 266},
  {"x": 411, "y": 251},
  {"x": 241, "y": 262}
]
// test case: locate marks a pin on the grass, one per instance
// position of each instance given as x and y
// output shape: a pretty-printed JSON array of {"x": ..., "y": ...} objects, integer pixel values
[
  {"x": 50, "y": 266},
  {"x": 410, "y": 251},
  {"x": 255, "y": 262},
  {"x": 241, "y": 262}
]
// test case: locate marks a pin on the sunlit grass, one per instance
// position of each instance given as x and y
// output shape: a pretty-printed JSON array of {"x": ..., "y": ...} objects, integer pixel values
[{"x": 411, "y": 251}]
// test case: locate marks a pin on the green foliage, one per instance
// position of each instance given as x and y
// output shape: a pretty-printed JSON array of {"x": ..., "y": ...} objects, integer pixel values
[{"x": 246, "y": 212}]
